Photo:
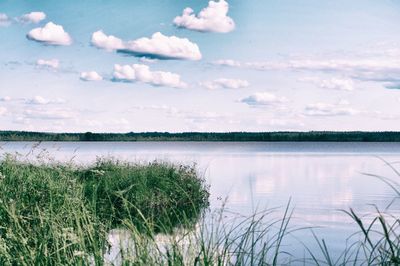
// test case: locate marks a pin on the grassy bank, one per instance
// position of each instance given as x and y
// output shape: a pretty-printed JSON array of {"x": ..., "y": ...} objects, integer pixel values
[
  {"x": 50, "y": 214},
  {"x": 152, "y": 214}
]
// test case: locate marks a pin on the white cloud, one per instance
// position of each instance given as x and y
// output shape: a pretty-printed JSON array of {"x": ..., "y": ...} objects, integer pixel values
[
  {"x": 360, "y": 68},
  {"x": 225, "y": 83},
  {"x": 227, "y": 62},
  {"x": 4, "y": 20},
  {"x": 33, "y": 17},
  {"x": 213, "y": 18},
  {"x": 51, "y": 34},
  {"x": 39, "y": 100},
  {"x": 158, "y": 46},
  {"x": 91, "y": 76},
  {"x": 109, "y": 43},
  {"x": 344, "y": 84},
  {"x": 142, "y": 73},
  {"x": 334, "y": 65},
  {"x": 263, "y": 99},
  {"x": 3, "y": 110},
  {"x": 53, "y": 63},
  {"x": 162, "y": 46},
  {"x": 325, "y": 109},
  {"x": 5, "y": 99}
]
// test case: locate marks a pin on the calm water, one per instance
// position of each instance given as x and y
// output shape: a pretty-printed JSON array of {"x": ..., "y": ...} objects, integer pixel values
[{"x": 320, "y": 178}]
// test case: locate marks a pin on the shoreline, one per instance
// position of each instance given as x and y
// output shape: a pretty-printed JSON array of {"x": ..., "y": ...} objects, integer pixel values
[{"x": 282, "y": 136}]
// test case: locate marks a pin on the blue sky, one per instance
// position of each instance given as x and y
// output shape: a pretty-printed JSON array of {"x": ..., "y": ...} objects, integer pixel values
[{"x": 257, "y": 65}]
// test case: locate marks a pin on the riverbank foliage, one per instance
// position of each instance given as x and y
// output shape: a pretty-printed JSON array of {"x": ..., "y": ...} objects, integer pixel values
[
  {"x": 351, "y": 136},
  {"x": 55, "y": 214}
]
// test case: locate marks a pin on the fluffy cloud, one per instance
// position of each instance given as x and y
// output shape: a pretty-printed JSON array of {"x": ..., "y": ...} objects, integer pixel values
[
  {"x": 225, "y": 83},
  {"x": 331, "y": 83},
  {"x": 109, "y": 43},
  {"x": 33, "y": 17},
  {"x": 4, "y": 20},
  {"x": 263, "y": 99},
  {"x": 3, "y": 110},
  {"x": 325, "y": 109},
  {"x": 158, "y": 46},
  {"x": 51, "y": 34},
  {"x": 39, "y": 100},
  {"x": 213, "y": 18},
  {"x": 91, "y": 76},
  {"x": 142, "y": 73},
  {"x": 52, "y": 63},
  {"x": 163, "y": 46}
]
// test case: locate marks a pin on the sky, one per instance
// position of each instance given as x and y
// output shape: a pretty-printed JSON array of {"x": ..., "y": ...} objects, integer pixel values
[{"x": 172, "y": 65}]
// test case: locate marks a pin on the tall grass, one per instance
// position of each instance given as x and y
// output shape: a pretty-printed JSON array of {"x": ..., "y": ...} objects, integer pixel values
[
  {"x": 61, "y": 213},
  {"x": 377, "y": 241}
]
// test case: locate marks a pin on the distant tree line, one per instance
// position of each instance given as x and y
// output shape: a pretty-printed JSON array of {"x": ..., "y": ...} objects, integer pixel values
[{"x": 358, "y": 136}]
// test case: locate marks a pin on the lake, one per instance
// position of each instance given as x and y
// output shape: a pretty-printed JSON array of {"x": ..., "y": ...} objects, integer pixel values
[{"x": 321, "y": 179}]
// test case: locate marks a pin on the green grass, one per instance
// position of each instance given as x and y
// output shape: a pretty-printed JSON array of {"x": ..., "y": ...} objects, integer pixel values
[{"x": 51, "y": 213}]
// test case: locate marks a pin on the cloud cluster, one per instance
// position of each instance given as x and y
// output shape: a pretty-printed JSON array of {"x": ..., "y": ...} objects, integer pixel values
[
  {"x": 263, "y": 99},
  {"x": 4, "y": 20},
  {"x": 360, "y": 68},
  {"x": 51, "y": 34},
  {"x": 142, "y": 73},
  {"x": 213, "y": 18},
  {"x": 225, "y": 83},
  {"x": 325, "y": 109},
  {"x": 382, "y": 69},
  {"x": 344, "y": 84},
  {"x": 90, "y": 76},
  {"x": 52, "y": 63},
  {"x": 33, "y": 17},
  {"x": 158, "y": 46},
  {"x": 109, "y": 43},
  {"x": 161, "y": 46},
  {"x": 335, "y": 65}
]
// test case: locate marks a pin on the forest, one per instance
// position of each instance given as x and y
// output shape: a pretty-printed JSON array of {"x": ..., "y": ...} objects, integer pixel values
[{"x": 329, "y": 136}]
